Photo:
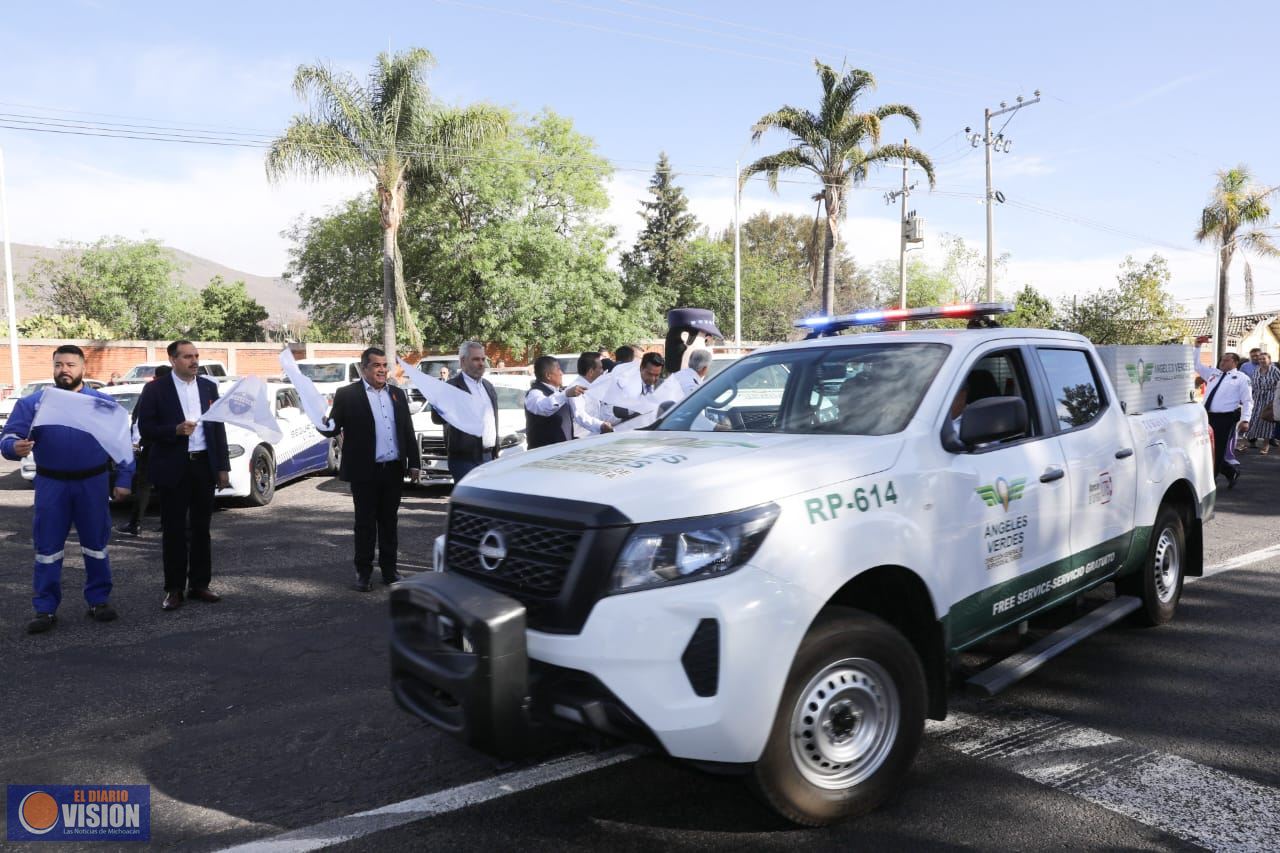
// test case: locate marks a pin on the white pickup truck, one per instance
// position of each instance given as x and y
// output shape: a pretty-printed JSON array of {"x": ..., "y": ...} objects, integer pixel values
[{"x": 778, "y": 581}]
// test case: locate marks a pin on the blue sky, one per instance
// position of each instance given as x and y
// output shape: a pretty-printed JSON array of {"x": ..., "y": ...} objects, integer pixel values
[{"x": 1142, "y": 103}]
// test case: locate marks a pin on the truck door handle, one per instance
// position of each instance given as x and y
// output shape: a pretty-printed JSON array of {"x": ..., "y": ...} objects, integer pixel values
[
  {"x": 1052, "y": 474},
  {"x": 1124, "y": 453}
]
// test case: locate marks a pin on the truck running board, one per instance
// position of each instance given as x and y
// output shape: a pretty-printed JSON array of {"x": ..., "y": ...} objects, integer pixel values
[{"x": 996, "y": 678}]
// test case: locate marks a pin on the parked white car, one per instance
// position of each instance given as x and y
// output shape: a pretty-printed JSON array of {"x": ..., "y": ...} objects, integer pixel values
[
  {"x": 330, "y": 374},
  {"x": 145, "y": 372},
  {"x": 7, "y": 404},
  {"x": 511, "y": 391},
  {"x": 258, "y": 466}
]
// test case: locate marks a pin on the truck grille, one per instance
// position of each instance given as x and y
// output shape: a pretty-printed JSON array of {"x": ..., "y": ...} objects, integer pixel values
[
  {"x": 431, "y": 445},
  {"x": 538, "y": 557}
]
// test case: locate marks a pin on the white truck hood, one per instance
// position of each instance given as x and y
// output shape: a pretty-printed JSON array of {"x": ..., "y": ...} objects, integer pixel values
[{"x": 653, "y": 476}]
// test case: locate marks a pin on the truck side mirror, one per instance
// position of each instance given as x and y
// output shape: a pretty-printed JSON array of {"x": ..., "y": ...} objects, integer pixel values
[{"x": 993, "y": 419}]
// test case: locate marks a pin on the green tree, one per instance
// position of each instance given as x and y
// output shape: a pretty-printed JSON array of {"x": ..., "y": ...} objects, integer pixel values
[
  {"x": 839, "y": 146},
  {"x": 62, "y": 327},
  {"x": 966, "y": 269},
  {"x": 507, "y": 246},
  {"x": 1139, "y": 311},
  {"x": 389, "y": 128},
  {"x": 668, "y": 227},
  {"x": 1237, "y": 202},
  {"x": 130, "y": 287},
  {"x": 1031, "y": 310},
  {"x": 228, "y": 313}
]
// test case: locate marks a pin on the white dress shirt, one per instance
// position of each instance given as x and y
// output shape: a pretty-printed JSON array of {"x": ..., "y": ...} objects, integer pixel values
[
  {"x": 589, "y": 415},
  {"x": 490, "y": 437},
  {"x": 688, "y": 380},
  {"x": 189, "y": 397},
  {"x": 385, "y": 448},
  {"x": 1236, "y": 391}
]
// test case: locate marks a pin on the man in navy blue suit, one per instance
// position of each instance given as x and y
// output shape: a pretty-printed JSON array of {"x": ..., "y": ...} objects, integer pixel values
[{"x": 188, "y": 460}]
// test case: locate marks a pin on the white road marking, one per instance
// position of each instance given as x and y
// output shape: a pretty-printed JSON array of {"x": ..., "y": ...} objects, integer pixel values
[
  {"x": 343, "y": 829},
  {"x": 1193, "y": 802},
  {"x": 1241, "y": 561},
  {"x": 1199, "y": 804}
]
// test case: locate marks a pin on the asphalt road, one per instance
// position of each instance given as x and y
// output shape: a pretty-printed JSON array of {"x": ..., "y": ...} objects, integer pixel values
[{"x": 270, "y": 712}]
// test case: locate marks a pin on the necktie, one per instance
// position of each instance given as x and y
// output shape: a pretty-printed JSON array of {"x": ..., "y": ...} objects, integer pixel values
[{"x": 1209, "y": 400}]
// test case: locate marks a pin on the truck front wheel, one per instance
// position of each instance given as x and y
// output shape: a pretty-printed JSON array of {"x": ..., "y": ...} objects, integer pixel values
[
  {"x": 1159, "y": 582},
  {"x": 849, "y": 722}
]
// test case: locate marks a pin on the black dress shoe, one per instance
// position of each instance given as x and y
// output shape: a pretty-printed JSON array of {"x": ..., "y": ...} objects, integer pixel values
[
  {"x": 388, "y": 580},
  {"x": 362, "y": 585},
  {"x": 205, "y": 595},
  {"x": 172, "y": 601},
  {"x": 128, "y": 529},
  {"x": 1232, "y": 476}
]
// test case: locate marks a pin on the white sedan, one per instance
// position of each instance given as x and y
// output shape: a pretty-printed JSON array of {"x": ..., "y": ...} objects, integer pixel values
[{"x": 258, "y": 466}]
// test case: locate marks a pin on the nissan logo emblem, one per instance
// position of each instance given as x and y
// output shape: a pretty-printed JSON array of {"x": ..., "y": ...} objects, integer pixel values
[{"x": 492, "y": 550}]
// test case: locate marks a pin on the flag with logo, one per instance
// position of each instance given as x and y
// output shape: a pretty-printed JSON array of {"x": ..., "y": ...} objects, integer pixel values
[
  {"x": 461, "y": 410},
  {"x": 104, "y": 419},
  {"x": 312, "y": 400},
  {"x": 246, "y": 405}
]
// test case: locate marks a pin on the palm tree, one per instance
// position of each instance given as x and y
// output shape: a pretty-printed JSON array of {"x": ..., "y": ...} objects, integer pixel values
[
  {"x": 389, "y": 128},
  {"x": 1236, "y": 201},
  {"x": 838, "y": 145}
]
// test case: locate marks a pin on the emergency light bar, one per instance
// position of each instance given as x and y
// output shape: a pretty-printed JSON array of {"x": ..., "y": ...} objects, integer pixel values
[{"x": 822, "y": 326}]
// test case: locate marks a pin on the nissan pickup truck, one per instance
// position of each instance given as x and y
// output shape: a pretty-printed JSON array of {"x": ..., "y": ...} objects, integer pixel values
[{"x": 777, "y": 577}]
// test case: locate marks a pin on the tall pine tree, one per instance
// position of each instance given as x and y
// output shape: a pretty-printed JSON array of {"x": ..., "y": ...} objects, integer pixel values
[{"x": 650, "y": 265}]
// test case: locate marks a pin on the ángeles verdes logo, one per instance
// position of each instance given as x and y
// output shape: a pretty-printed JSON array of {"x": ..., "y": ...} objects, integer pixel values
[{"x": 79, "y": 813}]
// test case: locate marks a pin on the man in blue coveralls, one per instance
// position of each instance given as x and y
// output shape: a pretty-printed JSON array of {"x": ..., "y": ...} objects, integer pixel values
[{"x": 71, "y": 486}]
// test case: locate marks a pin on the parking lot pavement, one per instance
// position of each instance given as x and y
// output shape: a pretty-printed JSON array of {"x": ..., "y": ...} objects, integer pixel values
[{"x": 270, "y": 712}]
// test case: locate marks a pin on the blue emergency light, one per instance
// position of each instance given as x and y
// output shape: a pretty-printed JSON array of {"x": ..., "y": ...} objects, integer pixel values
[{"x": 822, "y": 326}]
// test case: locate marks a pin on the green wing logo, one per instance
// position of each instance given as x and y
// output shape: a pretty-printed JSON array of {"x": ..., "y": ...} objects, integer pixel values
[
  {"x": 1140, "y": 373},
  {"x": 1002, "y": 492}
]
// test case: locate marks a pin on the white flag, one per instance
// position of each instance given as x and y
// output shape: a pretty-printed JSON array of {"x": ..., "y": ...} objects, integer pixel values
[
  {"x": 462, "y": 410},
  {"x": 312, "y": 401},
  {"x": 246, "y": 405},
  {"x": 105, "y": 420}
]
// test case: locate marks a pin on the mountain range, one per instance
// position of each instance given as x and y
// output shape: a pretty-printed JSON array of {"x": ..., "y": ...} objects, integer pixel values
[{"x": 274, "y": 294}]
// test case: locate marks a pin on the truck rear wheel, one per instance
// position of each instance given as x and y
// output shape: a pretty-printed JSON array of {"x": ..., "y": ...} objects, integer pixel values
[
  {"x": 1159, "y": 582},
  {"x": 848, "y": 724}
]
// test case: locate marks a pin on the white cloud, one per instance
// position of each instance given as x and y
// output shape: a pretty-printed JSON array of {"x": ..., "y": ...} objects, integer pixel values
[{"x": 224, "y": 210}]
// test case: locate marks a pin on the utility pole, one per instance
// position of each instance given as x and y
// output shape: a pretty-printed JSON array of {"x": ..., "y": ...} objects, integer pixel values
[
  {"x": 906, "y": 232},
  {"x": 8, "y": 286},
  {"x": 999, "y": 143}
]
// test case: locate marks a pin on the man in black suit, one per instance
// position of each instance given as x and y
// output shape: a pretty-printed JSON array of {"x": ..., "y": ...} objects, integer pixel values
[
  {"x": 378, "y": 447},
  {"x": 186, "y": 461},
  {"x": 466, "y": 451}
]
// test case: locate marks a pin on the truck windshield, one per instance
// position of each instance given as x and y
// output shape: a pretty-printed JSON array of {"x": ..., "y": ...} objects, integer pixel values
[
  {"x": 867, "y": 389},
  {"x": 332, "y": 372}
]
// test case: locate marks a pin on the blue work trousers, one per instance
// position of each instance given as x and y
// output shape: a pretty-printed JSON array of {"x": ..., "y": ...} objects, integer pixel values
[{"x": 59, "y": 504}]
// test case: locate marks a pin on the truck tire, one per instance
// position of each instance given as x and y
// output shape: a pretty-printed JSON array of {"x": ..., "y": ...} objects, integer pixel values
[
  {"x": 848, "y": 724},
  {"x": 1159, "y": 582}
]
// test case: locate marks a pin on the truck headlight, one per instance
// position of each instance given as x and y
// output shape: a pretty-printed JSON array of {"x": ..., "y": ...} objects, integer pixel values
[{"x": 691, "y": 549}]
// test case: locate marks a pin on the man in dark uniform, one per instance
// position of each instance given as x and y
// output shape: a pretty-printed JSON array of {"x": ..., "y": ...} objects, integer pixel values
[
  {"x": 464, "y": 450},
  {"x": 71, "y": 487},
  {"x": 378, "y": 449},
  {"x": 547, "y": 417}
]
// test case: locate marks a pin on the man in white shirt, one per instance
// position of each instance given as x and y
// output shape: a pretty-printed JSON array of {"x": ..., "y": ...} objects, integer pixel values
[
  {"x": 590, "y": 417},
  {"x": 465, "y": 451},
  {"x": 547, "y": 417},
  {"x": 689, "y": 378},
  {"x": 1228, "y": 396}
]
